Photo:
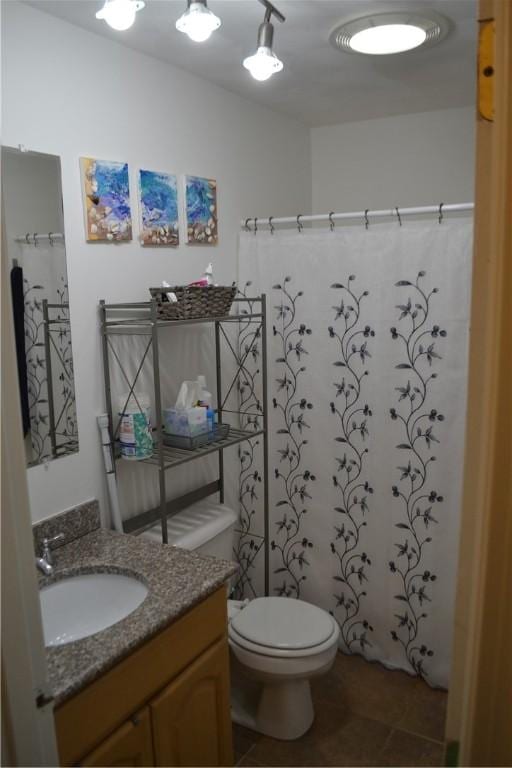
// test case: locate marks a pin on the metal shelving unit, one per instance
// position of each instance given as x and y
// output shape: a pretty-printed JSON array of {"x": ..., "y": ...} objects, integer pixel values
[
  {"x": 62, "y": 443},
  {"x": 141, "y": 319}
]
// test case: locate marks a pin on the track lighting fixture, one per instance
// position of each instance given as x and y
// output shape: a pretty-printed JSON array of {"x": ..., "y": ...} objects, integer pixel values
[
  {"x": 264, "y": 63},
  {"x": 120, "y": 14},
  {"x": 198, "y": 22}
]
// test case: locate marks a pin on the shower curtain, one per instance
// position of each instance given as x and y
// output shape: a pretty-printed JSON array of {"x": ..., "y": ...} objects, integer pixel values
[{"x": 367, "y": 342}]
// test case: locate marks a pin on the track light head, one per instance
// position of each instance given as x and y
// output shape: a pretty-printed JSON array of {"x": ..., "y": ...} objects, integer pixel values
[
  {"x": 264, "y": 63},
  {"x": 120, "y": 14},
  {"x": 198, "y": 22}
]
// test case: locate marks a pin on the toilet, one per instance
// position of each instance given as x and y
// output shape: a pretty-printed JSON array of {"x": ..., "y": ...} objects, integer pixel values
[{"x": 277, "y": 644}]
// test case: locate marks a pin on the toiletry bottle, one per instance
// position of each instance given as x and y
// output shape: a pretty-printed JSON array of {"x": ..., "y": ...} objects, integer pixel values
[
  {"x": 205, "y": 400},
  {"x": 207, "y": 278}
]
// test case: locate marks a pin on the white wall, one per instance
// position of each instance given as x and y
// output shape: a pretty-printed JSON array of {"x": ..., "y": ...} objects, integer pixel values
[
  {"x": 416, "y": 159},
  {"x": 34, "y": 199},
  {"x": 71, "y": 93}
]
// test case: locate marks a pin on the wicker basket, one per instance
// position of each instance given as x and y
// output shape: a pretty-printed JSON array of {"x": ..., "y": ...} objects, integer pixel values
[{"x": 194, "y": 301}]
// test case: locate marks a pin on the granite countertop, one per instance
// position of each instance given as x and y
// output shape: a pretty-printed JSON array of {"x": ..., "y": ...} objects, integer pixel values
[{"x": 176, "y": 578}]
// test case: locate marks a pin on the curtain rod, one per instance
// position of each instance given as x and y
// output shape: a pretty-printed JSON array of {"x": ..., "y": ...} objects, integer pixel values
[
  {"x": 33, "y": 239},
  {"x": 365, "y": 216}
]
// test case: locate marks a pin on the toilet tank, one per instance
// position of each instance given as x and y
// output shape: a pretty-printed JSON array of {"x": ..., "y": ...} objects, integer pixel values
[{"x": 206, "y": 527}]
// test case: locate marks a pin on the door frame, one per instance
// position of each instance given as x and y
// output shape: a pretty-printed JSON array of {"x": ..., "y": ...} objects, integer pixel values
[
  {"x": 479, "y": 712},
  {"x": 28, "y": 733}
]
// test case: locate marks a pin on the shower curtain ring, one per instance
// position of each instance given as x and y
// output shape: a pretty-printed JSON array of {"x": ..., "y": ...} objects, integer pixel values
[
  {"x": 299, "y": 225},
  {"x": 246, "y": 227},
  {"x": 35, "y": 238},
  {"x": 441, "y": 217},
  {"x": 271, "y": 225},
  {"x": 398, "y": 215},
  {"x": 27, "y": 238},
  {"x": 50, "y": 238},
  {"x": 331, "y": 221},
  {"x": 366, "y": 220},
  {"x": 255, "y": 225}
]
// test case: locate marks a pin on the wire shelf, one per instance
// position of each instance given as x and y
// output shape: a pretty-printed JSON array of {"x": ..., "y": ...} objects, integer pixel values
[
  {"x": 142, "y": 317},
  {"x": 175, "y": 456}
]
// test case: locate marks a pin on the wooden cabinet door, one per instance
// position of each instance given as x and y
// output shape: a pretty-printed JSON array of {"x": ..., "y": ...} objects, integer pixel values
[
  {"x": 130, "y": 745},
  {"x": 191, "y": 718}
]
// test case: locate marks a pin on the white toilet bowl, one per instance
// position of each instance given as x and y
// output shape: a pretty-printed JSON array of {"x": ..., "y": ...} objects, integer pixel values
[{"x": 277, "y": 644}]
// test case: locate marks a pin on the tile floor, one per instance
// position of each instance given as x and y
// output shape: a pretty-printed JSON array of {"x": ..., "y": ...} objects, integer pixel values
[{"x": 365, "y": 715}]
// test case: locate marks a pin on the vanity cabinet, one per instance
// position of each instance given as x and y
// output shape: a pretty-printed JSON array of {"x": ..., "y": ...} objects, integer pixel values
[
  {"x": 130, "y": 745},
  {"x": 189, "y": 726},
  {"x": 166, "y": 704}
]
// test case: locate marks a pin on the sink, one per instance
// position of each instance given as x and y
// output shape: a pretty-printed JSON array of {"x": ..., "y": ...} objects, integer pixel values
[{"x": 79, "y": 606}]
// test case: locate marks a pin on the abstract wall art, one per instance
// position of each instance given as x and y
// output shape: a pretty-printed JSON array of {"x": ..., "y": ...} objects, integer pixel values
[
  {"x": 106, "y": 192},
  {"x": 158, "y": 204},
  {"x": 201, "y": 210}
]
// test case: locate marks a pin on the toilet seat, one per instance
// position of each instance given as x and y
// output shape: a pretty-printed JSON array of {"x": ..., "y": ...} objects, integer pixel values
[{"x": 282, "y": 627}]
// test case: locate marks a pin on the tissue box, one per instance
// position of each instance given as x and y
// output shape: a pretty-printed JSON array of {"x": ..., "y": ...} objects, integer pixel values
[{"x": 187, "y": 422}]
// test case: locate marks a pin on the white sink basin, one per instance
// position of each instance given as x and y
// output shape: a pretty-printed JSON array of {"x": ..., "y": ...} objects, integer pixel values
[{"x": 79, "y": 606}]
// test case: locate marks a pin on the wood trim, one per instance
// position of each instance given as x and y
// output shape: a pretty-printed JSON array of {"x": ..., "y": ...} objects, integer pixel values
[
  {"x": 7, "y": 739},
  {"x": 486, "y": 48},
  {"x": 89, "y": 717},
  {"x": 479, "y": 714}
]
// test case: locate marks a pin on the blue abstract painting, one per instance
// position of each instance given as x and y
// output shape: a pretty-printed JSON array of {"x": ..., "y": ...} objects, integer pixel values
[
  {"x": 106, "y": 189},
  {"x": 158, "y": 208},
  {"x": 201, "y": 210}
]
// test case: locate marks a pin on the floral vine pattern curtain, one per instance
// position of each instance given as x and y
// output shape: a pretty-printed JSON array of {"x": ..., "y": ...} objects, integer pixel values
[{"x": 368, "y": 338}]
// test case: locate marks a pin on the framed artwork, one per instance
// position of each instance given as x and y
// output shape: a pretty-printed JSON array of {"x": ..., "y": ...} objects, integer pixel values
[
  {"x": 158, "y": 204},
  {"x": 106, "y": 193},
  {"x": 201, "y": 210}
]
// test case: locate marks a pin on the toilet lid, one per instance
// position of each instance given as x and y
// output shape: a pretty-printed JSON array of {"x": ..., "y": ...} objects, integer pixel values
[{"x": 281, "y": 622}]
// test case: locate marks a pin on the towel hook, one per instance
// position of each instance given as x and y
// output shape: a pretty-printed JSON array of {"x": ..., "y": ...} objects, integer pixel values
[
  {"x": 299, "y": 225},
  {"x": 271, "y": 225},
  {"x": 398, "y": 215},
  {"x": 366, "y": 220},
  {"x": 255, "y": 225},
  {"x": 441, "y": 217},
  {"x": 331, "y": 221}
]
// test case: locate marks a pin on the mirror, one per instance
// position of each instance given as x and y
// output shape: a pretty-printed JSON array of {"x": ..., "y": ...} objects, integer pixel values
[{"x": 33, "y": 227}]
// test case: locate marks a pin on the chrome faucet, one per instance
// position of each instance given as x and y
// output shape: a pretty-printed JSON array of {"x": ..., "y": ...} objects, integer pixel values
[{"x": 45, "y": 562}]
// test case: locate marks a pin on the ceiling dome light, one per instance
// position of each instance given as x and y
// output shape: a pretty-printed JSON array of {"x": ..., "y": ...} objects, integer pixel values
[
  {"x": 198, "y": 22},
  {"x": 120, "y": 14},
  {"x": 264, "y": 63},
  {"x": 388, "y": 38},
  {"x": 387, "y": 33}
]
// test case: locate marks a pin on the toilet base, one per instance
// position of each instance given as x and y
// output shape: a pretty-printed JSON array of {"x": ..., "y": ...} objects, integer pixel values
[{"x": 283, "y": 710}]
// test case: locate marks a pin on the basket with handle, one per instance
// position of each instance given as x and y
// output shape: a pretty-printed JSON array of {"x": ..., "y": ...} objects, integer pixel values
[{"x": 194, "y": 301}]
